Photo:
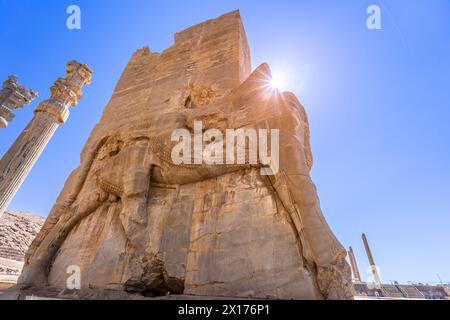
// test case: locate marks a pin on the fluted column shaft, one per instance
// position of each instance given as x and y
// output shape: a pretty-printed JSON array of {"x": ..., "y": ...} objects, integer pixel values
[{"x": 22, "y": 156}]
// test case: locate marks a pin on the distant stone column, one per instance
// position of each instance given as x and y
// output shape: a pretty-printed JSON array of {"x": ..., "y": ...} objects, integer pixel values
[
  {"x": 13, "y": 96},
  {"x": 373, "y": 266},
  {"x": 48, "y": 116},
  {"x": 354, "y": 266}
]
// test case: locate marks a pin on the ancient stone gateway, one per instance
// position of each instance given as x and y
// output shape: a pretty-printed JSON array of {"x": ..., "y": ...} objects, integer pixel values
[{"x": 134, "y": 221}]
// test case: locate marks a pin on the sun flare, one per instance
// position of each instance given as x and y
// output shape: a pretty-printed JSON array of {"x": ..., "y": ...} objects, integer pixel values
[{"x": 277, "y": 82}]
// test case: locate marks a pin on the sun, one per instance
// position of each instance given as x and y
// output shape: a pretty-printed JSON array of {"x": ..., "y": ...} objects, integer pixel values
[{"x": 277, "y": 82}]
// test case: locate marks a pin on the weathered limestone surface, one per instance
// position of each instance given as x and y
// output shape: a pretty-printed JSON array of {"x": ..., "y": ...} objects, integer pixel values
[
  {"x": 132, "y": 220},
  {"x": 224, "y": 237}
]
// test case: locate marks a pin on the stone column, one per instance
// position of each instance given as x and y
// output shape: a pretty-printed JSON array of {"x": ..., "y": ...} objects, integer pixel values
[
  {"x": 373, "y": 266},
  {"x": 48, "y": 116},
  {"x": 13, "y": 96},
  {"x": 355, "y": 270}
]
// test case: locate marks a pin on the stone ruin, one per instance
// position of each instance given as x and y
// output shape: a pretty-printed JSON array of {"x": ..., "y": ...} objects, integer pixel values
[
  {"x": 135, "y": 222},
  {"x": 17, "y": 231}
]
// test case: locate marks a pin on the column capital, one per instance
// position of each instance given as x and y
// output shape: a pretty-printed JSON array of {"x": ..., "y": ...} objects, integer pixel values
[
  {"x": 66, "y": 92},
  {"x": 13, "y": 96}
]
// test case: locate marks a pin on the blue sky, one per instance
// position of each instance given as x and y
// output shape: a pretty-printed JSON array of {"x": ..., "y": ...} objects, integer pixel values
[{"x": 378, "y": 103}]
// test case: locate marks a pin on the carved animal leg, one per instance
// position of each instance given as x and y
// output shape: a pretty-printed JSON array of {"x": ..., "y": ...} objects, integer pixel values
[
  {"x": 36, "y": 268},
  {"x": 284, "y": 193},
  {"x": 322, "y": 242},
  {"x": 134, "y": 199},
  {"x": 333, "y": 273},
  {"x": 136, "y": 184},
  {"x": 299, "y": 195},
  {"x": 298, "y": 192}
]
